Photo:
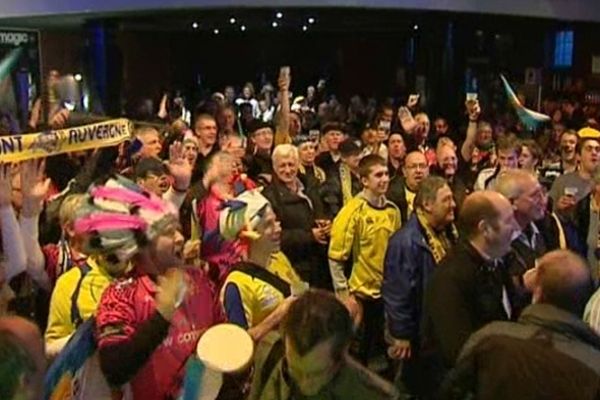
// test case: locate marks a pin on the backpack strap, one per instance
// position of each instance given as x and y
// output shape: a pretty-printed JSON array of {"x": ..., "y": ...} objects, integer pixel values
[
  {"x": 75, "y": 315},
  {"x": 264, "y": 275},
  {"x": 275, "y": 355}
]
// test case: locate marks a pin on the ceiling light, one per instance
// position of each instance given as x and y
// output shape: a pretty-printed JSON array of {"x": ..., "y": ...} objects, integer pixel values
[{"x": 232, "y": 20}]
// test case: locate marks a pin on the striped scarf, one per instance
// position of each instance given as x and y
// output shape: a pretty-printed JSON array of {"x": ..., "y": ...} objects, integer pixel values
[
  {"x": 346, "y": 181},
  {"x": 438, "y": 242}
]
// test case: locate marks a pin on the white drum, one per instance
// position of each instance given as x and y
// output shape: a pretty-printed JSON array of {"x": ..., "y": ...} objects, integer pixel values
[{"x": 225, "y": 348}]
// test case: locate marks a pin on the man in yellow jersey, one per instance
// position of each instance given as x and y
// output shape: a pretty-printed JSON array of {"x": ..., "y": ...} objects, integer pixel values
[{"x": 361, "y": 231}]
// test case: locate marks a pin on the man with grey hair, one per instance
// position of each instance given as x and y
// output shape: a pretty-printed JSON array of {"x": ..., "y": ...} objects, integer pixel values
[
  {"x": 305, "y": 233},
  {"x": 411, "y": 257},
  {"x": 548, "y": 353},
  {"x": 529, "y": 203}
]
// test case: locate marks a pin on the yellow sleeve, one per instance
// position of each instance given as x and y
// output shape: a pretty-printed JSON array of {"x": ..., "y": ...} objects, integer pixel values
[
  {"x": 281, "y": 266},
  {"x": 247, "y": 296},
  {"x": 344, "y": 231},
  {"x": 59, "y": 317}
]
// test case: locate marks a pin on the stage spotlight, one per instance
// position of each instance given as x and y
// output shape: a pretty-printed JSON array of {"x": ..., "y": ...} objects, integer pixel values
[
  {"x": 279, "y": 15},
  {"x": 311, "y": 20},
  {"x": 216, "y": 31},
  {"x": 78, "y": 77},
  {"x": 232, "y": 20},
  {"x": 195, "y": 25},
  {"x": 243, "y": 28},
  {"x": 274, "y": 24},
  {"x": 304, "y": 28}
]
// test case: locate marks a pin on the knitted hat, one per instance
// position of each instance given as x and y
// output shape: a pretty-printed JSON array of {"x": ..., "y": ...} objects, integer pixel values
[{"x": 119, "y": 217}]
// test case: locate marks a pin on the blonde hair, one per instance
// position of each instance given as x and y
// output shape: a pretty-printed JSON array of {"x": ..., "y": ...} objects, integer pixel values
[
  {"x": 71, "y": 205},
  {"x": 285, "y": 151}
]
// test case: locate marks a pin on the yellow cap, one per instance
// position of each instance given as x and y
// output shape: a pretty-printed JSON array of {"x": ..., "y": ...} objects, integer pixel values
[{"x": 588, "y": 133}]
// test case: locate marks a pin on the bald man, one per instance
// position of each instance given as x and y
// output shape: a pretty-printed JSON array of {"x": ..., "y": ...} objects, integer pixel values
[
  {"x": 471, "y": 287},
  {"x": 403, "y": 189},
  {"x": 548, "y": 353}
]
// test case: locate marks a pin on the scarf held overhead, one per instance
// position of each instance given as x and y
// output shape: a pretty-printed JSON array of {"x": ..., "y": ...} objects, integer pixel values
[{"x": 18, "y": 148}]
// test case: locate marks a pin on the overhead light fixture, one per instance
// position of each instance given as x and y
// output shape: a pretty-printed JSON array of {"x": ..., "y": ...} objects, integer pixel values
[
  {"x": 304, "y": 28},
  {"x": 279, "y": 15},
  {"x": 274, "y": 24},
  {"x": 311, "y": 20},
  {"x": 416, "y": 27},
  {"x": 78, "y": 77},
  {"x": 195, "y": 25},
  {"x": 232, "y": 20},
  {"x": 216, "y": 31},
  {"x": 243, "y": 28}
]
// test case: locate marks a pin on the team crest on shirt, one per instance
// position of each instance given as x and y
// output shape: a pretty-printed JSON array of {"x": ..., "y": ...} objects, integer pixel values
[{"x": 270, "y": 298}]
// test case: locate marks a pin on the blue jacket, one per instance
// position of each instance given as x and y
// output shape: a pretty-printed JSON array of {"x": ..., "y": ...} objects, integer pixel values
[{"x": 408, "y": 267}]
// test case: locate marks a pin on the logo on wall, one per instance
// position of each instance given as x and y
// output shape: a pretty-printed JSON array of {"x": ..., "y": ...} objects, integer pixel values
[{"x": 19, "y": 74}]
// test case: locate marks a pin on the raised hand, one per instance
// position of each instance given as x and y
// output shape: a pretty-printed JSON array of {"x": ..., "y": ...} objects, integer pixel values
[
  {"x": 473, "y": 109},
  {"x": 179, "y": 167},
  {"x": 34, "y": 186},
  {"x": 285, "y": 79},
  {"x": 406, "y": 120}
]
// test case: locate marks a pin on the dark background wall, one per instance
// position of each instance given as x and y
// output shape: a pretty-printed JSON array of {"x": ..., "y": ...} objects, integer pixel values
[{"x": 358, "y": 51}]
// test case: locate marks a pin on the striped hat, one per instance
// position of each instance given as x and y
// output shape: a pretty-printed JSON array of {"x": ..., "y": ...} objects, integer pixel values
[{"x": 119, "y": 217}]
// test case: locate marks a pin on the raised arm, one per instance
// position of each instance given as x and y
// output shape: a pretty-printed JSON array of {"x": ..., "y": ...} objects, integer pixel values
[
  {"x": 282, "y": 132},
  {"x": 34, "y": 188},
  {"x": 474, "y": 110},
  {"x": 15, "y": 258}
]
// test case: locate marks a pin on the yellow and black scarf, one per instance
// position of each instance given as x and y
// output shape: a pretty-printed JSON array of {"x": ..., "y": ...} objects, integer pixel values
[{"x": 439, "y": 242}]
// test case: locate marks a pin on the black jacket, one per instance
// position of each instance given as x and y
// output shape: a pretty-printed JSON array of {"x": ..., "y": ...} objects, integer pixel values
[
  {"x": 331, "y": 195},
  {"x": 297, "y": 215},
  {"x": 325, "y": 161},
  {"x": 397, "y": 195},
  {"x": 464, "y": 294}
]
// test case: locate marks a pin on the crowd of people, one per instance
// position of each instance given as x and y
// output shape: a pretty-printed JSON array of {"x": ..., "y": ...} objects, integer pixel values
[{"x": 368, "y": 253}]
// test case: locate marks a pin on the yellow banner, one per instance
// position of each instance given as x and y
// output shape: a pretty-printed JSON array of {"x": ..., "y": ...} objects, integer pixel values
[{"x": 17, "y": 148}]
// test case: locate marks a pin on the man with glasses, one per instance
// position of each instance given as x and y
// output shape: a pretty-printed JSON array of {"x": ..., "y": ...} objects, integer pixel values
[{"x": 403, "y": 189}]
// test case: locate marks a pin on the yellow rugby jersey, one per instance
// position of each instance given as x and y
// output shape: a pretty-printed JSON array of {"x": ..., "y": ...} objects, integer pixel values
[
  {"x": 362, "y": 231},
  {"x": 60, "y": 323},
  {"x": 258, "y": 298}
]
